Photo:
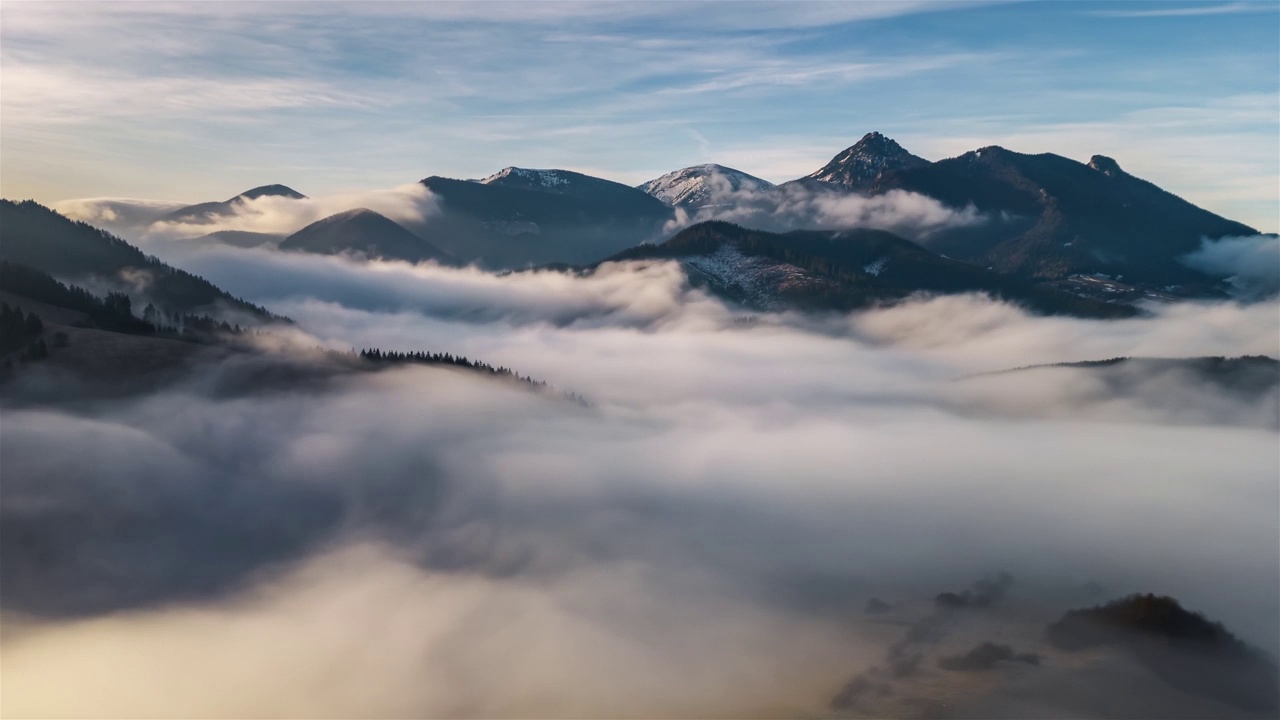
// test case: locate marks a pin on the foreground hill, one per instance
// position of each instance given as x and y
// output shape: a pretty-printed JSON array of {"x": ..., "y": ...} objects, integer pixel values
[
  {"x": 1050, "y": 217},
  {"x": 1185, "y": 649},
  {"x": 842, "y": 270},
  {"x": 519, "y": 217},
  {"x": 363, "y": 231},
  {"x": 34, "y": 235}
]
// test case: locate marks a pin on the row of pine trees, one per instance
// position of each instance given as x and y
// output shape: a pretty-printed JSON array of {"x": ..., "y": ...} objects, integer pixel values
[{"x": 21, "y": 332}]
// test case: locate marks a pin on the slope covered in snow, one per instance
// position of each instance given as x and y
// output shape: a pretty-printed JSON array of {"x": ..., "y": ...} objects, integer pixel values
[
  {"x": 701, "y": 185},
  {"x": 528, "y": 177}
]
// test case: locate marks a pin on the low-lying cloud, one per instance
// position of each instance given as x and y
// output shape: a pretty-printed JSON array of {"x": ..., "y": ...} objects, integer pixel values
[
  {"x": 146, "y": 221},
  {"x": 701, "y": 540},
  {"x": 1251, "y": 265},
  {"x": 797, "y": 206},
  {"x": 118, "y": 215}
]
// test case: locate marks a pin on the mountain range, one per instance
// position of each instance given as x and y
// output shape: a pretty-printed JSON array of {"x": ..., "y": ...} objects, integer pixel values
[
  {"x": 1039, "y": 229},
  {"x": 1052, "y": 217},
  {"x": 1045, "y": 218}
]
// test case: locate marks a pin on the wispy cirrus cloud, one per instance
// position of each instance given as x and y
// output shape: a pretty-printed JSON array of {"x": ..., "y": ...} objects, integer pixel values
[
  {"x": 1183, "y": 10},
  {"x": 799, "y": 73},
  {"x": 37, "y": 95},
  {"x": 220, "y": 94}
]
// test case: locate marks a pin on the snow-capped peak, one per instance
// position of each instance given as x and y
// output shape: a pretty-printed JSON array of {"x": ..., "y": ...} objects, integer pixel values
[
  {"x": 528, "y": 176},
  {"x": 699, "y": 185},
  {"x": 863, "y": 162}
]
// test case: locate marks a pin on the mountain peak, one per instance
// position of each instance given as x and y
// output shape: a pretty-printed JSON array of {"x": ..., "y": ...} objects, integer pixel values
[
  {"x": 364, "y": 231},
  {"x": 271, "y": 191},
  {"x": 989, "y": 152},
  {"x": 875, "y": 138},
  {"x": 698, "y": 185},
  {"x": 354, "y": 214},
  {"x": 528, "y": 177},
  {"x": 1105, "y": 165},
  {"x": 861, "y": 163}
]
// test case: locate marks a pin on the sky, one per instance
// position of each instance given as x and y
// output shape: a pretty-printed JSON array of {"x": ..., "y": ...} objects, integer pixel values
[{"x": 195, "y": 102}]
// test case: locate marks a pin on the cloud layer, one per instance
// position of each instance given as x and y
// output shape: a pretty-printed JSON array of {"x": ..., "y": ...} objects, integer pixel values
[
  {"x": 701, "y": 540},
  {"x": 1250, "y": 264},
  {"x": 805, "y": 207},
  {"x": 146, "y": 221}
]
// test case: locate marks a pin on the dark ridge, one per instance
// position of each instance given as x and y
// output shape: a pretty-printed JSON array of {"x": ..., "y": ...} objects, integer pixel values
[
  {"x": 854, "y": 269},
  {"x": 33, "y": 235},
  {"x": 1059, "y": 217},
  {"x": 241, "y": 238},
  {"x": 1184, "y": 648},
  {"x": 114, "y": 312},
  {"x": 377, "y": 357},
  {"x": 1247, "y": 374}
]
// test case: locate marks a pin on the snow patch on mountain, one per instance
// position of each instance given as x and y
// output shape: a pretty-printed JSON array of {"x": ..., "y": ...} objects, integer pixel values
[
  {"x": 757, "y": 280},
  {"x": 701, "y": 185},
  {"x": 544, "y": 178},
  {"x": 877, "y": 267}
]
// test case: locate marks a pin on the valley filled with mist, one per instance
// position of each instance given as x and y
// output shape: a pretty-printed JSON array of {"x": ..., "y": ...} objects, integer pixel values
[
  {"x": 270, "y": 525},
  {"x": 989, "y": 434}
]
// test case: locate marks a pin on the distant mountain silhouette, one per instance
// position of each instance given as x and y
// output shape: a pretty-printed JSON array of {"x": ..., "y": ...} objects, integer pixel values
[
  {"x": 1247, "y": 376},
  {"x": 364, "y": 231},
  {"x": 1052, "y": 217},
  {"x": 519, "y": 217},
  {"x": 241, "y": 238},
  {"x": 209, "y": 212}
]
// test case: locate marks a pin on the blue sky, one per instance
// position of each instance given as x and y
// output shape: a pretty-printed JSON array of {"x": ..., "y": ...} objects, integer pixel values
[{"x": 200, "y": 101}]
